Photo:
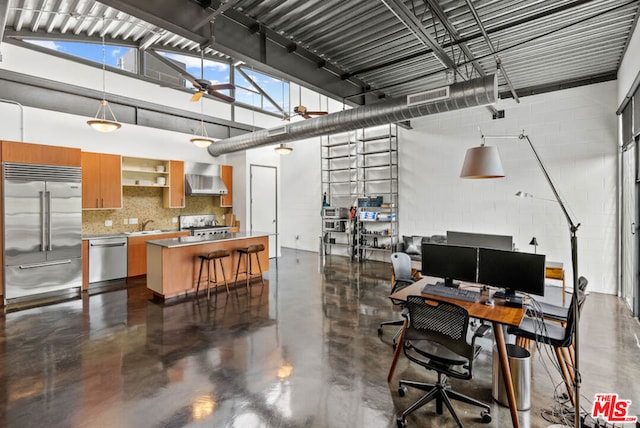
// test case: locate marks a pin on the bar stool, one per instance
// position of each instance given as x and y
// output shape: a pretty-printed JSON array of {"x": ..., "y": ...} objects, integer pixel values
[
  {"x": 248, "y": 269},
  {"x": 208, "y": 258}
]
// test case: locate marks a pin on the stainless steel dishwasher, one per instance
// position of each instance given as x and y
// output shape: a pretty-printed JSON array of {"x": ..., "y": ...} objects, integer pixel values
[{"x": 107, "y": 259}]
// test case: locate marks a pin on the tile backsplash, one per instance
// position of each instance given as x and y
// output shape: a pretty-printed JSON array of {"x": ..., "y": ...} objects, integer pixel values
[{"x": 145, "y": 203}]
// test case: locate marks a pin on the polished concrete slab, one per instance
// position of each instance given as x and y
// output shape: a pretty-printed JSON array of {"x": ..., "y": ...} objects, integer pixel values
[{"x": 302, "y": 351}]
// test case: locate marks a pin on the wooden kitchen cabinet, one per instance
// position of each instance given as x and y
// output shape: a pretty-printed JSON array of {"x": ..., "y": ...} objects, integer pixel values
[
  {"x": 137, "y": 251},
  {"x": 101, "y": 181},
  {"x": 174, "y": 194},
  {"x": 40, "y": 154},
  {"x": 226, "y": 173}
]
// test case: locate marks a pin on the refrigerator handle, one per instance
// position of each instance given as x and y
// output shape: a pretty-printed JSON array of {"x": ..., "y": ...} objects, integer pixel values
[
  {"x": 49, "y": 245},
  {"x": 42, "y": 223}
]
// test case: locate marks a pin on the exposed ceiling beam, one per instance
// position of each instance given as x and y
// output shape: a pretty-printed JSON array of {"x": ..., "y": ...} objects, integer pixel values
[
  {"x": 413, "y": 24},
  {"x": 474, "y": 37},
  {"x": 487, "y": 39},
  {"x": 4, "y": 11},
  {"x": 244, "y": 39}
]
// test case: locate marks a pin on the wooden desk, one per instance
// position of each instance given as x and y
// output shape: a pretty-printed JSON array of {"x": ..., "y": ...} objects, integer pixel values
[
  {"x": 555, "y": 270},
  {"x": 498, "y": 315}
]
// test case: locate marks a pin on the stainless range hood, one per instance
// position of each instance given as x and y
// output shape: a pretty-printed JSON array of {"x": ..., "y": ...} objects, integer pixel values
[{"x": 203, "y": 179}]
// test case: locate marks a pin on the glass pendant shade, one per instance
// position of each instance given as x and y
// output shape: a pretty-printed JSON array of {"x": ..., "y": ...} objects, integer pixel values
[{"x": 283, "y": 150}]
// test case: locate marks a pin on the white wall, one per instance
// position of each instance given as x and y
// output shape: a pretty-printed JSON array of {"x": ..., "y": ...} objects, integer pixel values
[{"x": 574, "y": 132}]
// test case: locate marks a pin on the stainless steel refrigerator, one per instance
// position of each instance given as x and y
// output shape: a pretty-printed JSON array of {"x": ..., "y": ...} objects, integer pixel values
[{"x": 42, "y": 224}]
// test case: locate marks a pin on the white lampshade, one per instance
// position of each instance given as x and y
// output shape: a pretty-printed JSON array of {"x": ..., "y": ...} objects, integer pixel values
[{"x": 482, "y": 162}]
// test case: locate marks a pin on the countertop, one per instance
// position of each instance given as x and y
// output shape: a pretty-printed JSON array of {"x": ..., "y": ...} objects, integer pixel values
[
  {"x": 197, "y": 240},
  {"x": 127, "y": 234}
]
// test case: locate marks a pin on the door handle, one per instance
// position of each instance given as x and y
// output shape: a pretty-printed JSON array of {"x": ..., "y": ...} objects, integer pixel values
[
  {"x": 633, "y": 228},
  {"x": 49, "y": 244},
  {"x": 37, "y": 265},
  {"x": 121, "y": 244},
  {"x": 43, "y": 236},
  {"x": 273, "y": 221}
]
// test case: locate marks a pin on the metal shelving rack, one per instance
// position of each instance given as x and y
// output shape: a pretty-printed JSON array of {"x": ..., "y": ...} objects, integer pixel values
[
  {"x": 377, "y": 164},
  {"x": 361, "y": 164},
  {"x": 339, "y": 184}
]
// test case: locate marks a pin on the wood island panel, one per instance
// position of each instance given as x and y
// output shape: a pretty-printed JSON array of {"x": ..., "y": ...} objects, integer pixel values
[
  {"x": 173, "y": 271},
  {"x": 137, "y": 251}
]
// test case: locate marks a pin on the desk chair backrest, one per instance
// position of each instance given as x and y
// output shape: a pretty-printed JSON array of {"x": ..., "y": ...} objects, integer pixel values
[
  {"x": 577, "y": 298},
  {"x": 441, "y": 322},
  {"x": 401, "y": 263}
]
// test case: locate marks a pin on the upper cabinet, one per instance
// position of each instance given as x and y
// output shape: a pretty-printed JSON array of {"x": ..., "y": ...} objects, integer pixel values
[
  {"x": 226, "y": 173},
  {"x": 39, "y": 154},
  {"x": 174, "y": 195},
  {"x": 101, "y": 181}
]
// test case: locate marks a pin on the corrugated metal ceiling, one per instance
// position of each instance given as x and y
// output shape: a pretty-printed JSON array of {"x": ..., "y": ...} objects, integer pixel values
[{"x": 541, "y": 44}]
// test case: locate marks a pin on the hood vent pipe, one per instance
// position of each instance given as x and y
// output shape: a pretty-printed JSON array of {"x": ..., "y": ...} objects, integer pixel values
[{"x": 471, "y": 93}]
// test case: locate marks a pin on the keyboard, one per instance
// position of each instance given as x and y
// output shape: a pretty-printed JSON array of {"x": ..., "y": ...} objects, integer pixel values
[{"x": 441, "y": 290}]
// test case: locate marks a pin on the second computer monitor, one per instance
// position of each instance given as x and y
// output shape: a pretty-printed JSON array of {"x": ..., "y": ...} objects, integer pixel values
[
  {"x": 481, "y": 240},
  {"x": 512, "y": 271},
  {"x": 450, "y": 262}
]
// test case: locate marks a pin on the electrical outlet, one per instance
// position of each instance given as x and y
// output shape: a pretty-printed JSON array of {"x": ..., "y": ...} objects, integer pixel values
[
  {"x": 108, "y": 223},
  {"x": 133, "y": 221},
  {"x": 174, "y": 219},
  {"x": 126, "y": 221}
]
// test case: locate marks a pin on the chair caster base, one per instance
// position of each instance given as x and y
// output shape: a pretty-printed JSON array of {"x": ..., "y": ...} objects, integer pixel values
[
  {"x": 402, "y": 422},
  {"x": 379, "y": 331},
  {"x": 402, "y": 391},
  {"x": 486, "y": 417}
]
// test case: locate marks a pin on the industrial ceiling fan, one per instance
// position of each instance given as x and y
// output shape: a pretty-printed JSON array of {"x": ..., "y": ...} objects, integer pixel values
[
  {"x": 202, "y": 85},
  {"x": 301, "y": 110},
  {"x": 304, "y": 112}
]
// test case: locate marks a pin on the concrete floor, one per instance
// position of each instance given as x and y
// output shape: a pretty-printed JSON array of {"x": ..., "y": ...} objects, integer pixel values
[{"x": 300, "y": 352}]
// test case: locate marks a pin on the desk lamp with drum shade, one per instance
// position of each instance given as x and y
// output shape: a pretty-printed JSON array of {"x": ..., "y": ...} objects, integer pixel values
[{"x": 484, "y": 162}]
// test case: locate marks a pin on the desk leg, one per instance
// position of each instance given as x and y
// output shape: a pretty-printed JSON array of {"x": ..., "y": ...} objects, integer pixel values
[
  {"x": 397, "y": 353},
  {"x": 506, "y": 373}
]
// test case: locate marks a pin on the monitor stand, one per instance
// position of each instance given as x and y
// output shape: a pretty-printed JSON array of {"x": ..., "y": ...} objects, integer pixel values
[
  {"x": 448, "y": 282},
  {"x": 510, "y": 298}
]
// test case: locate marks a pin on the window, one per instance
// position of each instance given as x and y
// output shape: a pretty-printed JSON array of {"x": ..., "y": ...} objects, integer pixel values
[
  {"x": 120, "y": 57},
  {"x": 246, "y": 92}
]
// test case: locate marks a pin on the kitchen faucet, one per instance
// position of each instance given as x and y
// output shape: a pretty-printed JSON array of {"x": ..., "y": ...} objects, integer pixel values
[{"x": 144, "y": 224}]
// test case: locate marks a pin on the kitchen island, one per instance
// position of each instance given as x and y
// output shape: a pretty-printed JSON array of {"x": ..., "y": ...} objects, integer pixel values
[{"x": 173, "y": 265}]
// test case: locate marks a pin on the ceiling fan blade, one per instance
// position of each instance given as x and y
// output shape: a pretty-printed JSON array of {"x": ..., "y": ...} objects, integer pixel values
[
  {"x": 191, "y": 79},
  {"x": 196, "y": 96},
  {"x": 223, "y": 97},
  {"x": 222, "y": 86},
  {"x": 317, "y": 113},
  {"x": 306, "y": 116}
]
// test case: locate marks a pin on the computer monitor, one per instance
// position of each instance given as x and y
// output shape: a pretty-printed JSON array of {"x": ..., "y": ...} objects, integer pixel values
[
  {"x": 449, "y": 262},
  {"x": 480, "y": 240},
  {"x": 511, "y": 270}
]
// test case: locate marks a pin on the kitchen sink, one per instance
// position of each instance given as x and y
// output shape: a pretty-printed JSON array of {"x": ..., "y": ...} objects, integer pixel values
[{"x": 144, "y": 232}]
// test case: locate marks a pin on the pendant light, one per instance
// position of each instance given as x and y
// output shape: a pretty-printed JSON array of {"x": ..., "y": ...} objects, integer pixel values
[
  {"x": 203, "y": 139},
  {"x": 100, "y": 122},
  {"x": 283, "y": 149}
]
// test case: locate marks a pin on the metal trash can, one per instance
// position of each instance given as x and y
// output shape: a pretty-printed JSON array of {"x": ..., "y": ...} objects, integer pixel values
[{"x": 520, "y": 365}]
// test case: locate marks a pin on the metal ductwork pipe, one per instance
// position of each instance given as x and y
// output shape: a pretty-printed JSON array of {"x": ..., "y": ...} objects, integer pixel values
[{"x": 471, "y": 93}]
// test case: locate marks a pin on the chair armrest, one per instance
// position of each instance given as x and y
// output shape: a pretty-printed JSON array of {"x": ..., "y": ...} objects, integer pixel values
[{"x": 482, "y": 330}]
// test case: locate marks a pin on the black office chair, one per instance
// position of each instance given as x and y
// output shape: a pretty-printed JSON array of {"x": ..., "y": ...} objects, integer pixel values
[
  {"x": 436, "y": 338},
  {"x": 559, "y": 335},
  {"x": 402, "y": 278}
]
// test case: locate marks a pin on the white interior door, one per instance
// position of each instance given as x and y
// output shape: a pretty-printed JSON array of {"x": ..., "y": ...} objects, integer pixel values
[
  {"x": 629, "y": 227},
  {"x": 264, "y": 207}
]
